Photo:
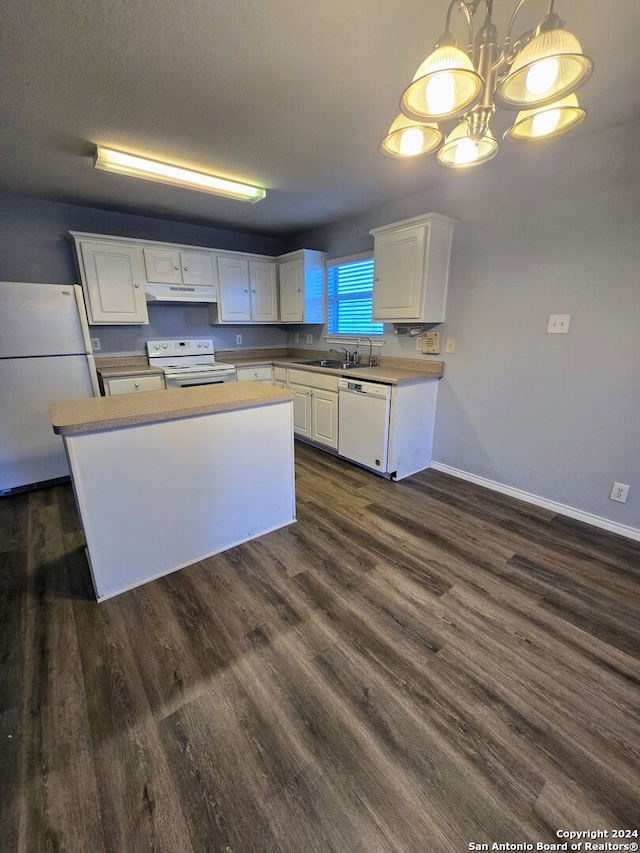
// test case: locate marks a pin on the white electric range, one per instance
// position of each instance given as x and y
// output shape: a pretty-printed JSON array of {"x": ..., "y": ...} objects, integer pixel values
[{"x": 189, "y": 362}]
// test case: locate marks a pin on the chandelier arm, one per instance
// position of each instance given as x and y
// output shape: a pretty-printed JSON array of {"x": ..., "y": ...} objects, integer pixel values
[{"x": 466, "y": 6}]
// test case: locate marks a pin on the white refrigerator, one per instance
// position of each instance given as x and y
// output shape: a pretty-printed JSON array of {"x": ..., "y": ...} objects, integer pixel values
[{"x": 45, "y": 356}]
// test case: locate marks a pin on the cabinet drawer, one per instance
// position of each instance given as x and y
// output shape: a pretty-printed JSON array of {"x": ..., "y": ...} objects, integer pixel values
[
  {"x": 280, "y": 374},
  {"x": 313, "y": 380},
  {"x": 131, "y": 384},
  {"x": 253, "y": 374}
]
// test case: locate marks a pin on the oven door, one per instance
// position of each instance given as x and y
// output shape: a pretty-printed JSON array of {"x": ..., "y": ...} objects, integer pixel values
[{"x": 204, "y": 377}]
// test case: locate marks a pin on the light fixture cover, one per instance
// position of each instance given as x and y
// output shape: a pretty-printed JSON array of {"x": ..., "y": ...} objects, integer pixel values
[
  {"x": 165, "y": 173},
  {"x": 546, "y": 122},
  {"x": 445, "y": 86},
  {"x": 409, "y": 138},
  {"x": 551, "y": 66},
  {"x": 461, "y": 152}
]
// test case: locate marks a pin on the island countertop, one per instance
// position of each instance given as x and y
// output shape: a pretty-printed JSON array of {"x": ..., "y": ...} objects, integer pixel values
[{"x": 72, "y": 417}]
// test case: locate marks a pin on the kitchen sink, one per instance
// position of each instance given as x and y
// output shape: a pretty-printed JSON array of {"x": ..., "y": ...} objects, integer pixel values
[{"x": 323, "y": 362}]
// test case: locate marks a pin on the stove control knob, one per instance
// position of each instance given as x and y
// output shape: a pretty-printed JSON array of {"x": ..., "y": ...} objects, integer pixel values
[
  {"x": 165, "y": 345},
  {"x": 199, "y": 344},
  {"x": 206, "y": 344},
  {"x": 156, "y": 346}
]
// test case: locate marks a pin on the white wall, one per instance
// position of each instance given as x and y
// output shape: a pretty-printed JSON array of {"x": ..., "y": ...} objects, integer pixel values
[{"x": 545, "y": 231}]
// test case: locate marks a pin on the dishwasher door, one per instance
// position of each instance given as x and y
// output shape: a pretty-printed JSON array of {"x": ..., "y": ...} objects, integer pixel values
[{"x": 363, "y": 423}]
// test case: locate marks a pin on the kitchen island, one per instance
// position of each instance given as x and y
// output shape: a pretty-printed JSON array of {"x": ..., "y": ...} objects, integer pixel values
[{"x": 163, "y": 479}]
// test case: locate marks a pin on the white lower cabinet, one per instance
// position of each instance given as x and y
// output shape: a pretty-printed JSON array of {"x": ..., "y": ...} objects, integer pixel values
[
  {"x": 315, "y": 406},
  {"x": 301, "y": 409},
  {"x": 132, "y": 384},
  {"x": 324, "y": 417}
]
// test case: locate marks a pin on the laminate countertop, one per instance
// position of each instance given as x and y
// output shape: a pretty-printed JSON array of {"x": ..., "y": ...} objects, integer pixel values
[
  {"x": 101, "y": 413},
  {"x": 386, "y": 373}
]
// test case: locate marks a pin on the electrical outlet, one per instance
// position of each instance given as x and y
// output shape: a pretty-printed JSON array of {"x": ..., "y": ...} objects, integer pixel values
[
  {"x": 451, "y": 345},
  {"x": 238, "y": 339},
  {"x": 558, "y": 323},
  {"x": 309, "y": 339},
  {"x": 95, "y": 344},
  {"x": 619, "y": 492}
]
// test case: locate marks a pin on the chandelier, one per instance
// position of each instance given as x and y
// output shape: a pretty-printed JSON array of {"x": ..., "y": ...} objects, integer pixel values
[{"x": 536, "y": 74}]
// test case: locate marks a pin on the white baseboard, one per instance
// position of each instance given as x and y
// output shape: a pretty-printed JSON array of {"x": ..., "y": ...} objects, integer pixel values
[{"x": 554, "y": 506}]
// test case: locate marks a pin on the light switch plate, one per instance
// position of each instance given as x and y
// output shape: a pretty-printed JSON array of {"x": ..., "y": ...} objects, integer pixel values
[{"x": 558, "y": 323}]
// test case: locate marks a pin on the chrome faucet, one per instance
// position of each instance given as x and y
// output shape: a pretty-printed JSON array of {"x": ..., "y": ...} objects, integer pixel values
[
  {"x": 349, "y": 357},
  {"x": 373, "y": 359}
]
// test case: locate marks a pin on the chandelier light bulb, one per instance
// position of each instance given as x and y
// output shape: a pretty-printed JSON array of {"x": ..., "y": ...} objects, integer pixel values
[
  {"x": 542, "y": 76},
  {"x": 410, "y": 142},
  {"x": 440, "y": 94},
  {"x": 545, "y": 122},
  {"x": 466, "y": 152}
]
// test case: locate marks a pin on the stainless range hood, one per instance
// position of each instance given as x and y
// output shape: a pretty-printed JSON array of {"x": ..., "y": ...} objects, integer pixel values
[{"x": 180, "y": 293}]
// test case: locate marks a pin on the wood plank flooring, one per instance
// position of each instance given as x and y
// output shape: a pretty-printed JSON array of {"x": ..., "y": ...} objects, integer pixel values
[{"x": 413, "y": 666}]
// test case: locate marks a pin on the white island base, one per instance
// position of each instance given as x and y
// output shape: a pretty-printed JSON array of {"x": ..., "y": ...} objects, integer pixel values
[{"x": 155, "y": 497}]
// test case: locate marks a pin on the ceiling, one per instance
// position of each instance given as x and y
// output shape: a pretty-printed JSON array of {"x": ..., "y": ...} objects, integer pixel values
[{"x": 288, "y": 95}]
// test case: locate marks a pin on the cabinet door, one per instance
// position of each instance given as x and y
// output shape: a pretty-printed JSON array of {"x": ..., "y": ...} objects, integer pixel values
[
  {"x": 264, "y": 291},
  {"x": 197, "y": 268},
  {"x": 234, "y": 303},
  {"x": 113, "y": 283},
  {"x": 324, "y": 417},
  {"x": 301, "y": 410},
  {"x": 398, "y": 277},
  {"x": 162, "y": 266},
  {"x": 291, "y": 274}
]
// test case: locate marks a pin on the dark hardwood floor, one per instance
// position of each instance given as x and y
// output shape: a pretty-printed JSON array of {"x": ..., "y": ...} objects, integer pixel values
[{"x": 413, "y": 666}]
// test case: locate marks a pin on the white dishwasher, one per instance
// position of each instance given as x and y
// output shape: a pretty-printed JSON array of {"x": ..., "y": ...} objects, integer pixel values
[{"x": 363, "y": 423}]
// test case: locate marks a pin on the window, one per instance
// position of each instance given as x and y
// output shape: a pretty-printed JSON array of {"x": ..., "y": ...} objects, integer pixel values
[{"x": 350, "y": 292}]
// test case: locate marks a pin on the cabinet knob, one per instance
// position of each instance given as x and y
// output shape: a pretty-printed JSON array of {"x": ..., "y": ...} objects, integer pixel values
[
  {"x": 176, "y": 268},
  {"x": 186, "y": 269},
  {"x": 253, "y": 291},
  {"x": 245, "y": 290},
  {"x": 376, "y": 279},
  {"x": 298, "y": 290},
  {"x": 137, "y": 384},
  {"x": 136, "y": 285}
]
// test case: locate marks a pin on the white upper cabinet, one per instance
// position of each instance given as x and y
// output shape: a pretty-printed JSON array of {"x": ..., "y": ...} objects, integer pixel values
[
  {"x": 263, "y": 276},
  {"x": 248, "y": 291},
  {"x": 411, "y": 276},
  {"x": 234, "y": 294},
  {"x": 113, "y": 282},
  {"x": 301, "y": 278},
  {"x": 171, "y": 266}
]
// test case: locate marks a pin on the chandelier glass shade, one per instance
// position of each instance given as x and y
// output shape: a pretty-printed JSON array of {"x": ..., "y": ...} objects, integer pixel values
[
  {"x": 445, "y": 86},
  {"x": 549, "y": 67},
  {"x": 545, "y": 122},
  {"x": 409, "y": 138},
  {"x": 535, "y": 74},
  {"x": 461, "y": 151}
]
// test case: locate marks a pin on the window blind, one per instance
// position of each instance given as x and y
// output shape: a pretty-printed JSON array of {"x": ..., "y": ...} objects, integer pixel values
[{"x": 350, "y": 299}]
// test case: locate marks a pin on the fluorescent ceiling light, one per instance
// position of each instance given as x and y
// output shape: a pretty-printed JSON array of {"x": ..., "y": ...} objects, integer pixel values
[{"x": 165, "y": 173}]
